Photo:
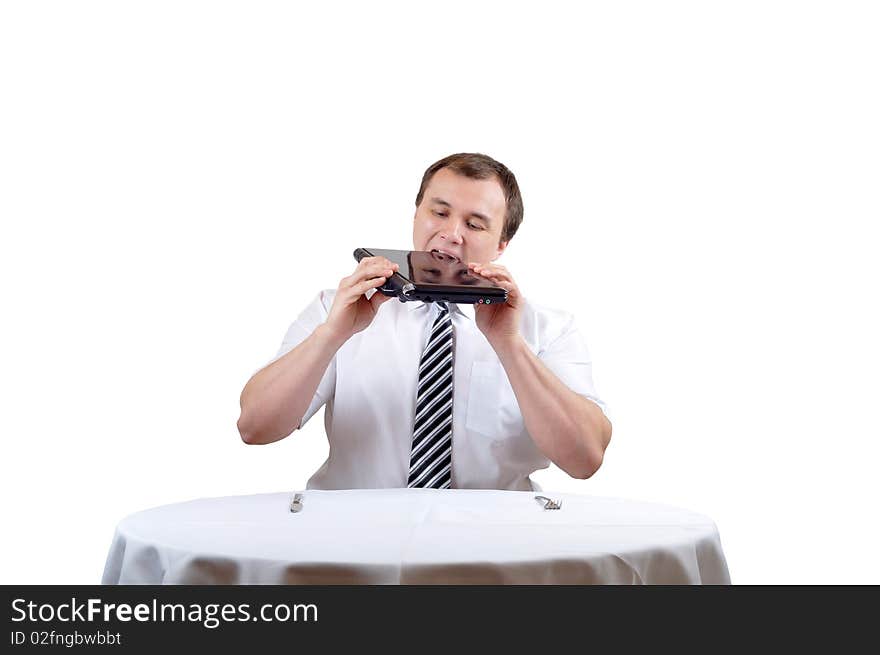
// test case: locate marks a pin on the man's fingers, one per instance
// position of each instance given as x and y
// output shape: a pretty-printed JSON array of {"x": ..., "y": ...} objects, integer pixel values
[
  {"x": 377, "y": 267},
  {"x": 366, "y": 285},
  {"x": 375, "y": 262},
  {"x": 491, "y": 272},
  {"x": 500, "y": 277}
]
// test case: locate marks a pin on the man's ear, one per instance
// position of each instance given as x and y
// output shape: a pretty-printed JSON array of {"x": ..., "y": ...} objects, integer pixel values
[{"x": 502, "y": 246}]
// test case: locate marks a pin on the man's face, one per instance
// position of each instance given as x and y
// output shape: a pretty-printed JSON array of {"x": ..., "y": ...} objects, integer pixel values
[{"x": 461, "y": 217}]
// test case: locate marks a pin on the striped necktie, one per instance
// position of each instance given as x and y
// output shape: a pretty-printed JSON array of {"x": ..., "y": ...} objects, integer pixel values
[{"x": 431, "y": 459}]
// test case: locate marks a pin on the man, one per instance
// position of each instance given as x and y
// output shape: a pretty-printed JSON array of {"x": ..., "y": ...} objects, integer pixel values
[{"x": 437, "y": 394}]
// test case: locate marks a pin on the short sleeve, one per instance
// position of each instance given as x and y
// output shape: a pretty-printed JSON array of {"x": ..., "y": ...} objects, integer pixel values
[
  {"x": 311, "y": 317},
  {"x": 568, "y": 357}
]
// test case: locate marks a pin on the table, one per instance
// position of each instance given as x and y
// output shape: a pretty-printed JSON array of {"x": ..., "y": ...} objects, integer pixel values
[{"x": 416, "y": 536}]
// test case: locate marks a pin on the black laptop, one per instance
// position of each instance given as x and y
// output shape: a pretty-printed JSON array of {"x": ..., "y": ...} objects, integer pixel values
[{"x": 433, "y": 276}]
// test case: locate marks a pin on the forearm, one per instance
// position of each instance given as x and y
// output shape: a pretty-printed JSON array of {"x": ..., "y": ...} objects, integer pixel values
[
  {"x": 276, "y": 398},
  {"x": 569, "y": 429}
]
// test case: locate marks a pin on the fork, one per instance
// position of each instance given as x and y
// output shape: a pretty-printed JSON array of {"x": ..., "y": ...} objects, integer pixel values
[{"x": 550, "y": 504}]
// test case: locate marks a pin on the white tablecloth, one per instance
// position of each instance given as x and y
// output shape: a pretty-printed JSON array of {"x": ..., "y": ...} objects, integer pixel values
[{"x": 415, "y": 536}]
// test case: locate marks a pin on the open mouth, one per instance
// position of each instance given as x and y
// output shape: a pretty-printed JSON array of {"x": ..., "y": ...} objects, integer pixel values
[{"x": 446, "y": 254}]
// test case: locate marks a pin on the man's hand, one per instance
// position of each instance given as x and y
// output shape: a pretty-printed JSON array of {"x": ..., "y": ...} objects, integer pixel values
[
  {"x": 499, "y": 323},
  {"x": 352, "y": 311},
  {"x": 568, "y": 428}
]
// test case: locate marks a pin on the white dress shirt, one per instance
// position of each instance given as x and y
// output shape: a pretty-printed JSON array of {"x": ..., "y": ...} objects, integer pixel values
[{"x": 369, "y": 390}]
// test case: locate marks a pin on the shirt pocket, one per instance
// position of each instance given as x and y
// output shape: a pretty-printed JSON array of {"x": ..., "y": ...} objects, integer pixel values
[{"x": 492, "y": 408}]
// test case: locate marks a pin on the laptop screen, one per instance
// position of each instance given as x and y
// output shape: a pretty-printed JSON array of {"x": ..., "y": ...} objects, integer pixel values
[{"x": 432, "y": 268}]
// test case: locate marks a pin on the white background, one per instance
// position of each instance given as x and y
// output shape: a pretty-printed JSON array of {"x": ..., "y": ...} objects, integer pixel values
[{"x": 179, "y": 179}]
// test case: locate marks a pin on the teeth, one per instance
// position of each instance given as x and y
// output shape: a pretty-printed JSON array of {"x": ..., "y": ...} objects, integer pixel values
[{"x": 445, "y": 253}]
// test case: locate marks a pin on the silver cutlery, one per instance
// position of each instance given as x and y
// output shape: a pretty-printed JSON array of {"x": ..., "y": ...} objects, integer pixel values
[{"x": 549, "y": 504}]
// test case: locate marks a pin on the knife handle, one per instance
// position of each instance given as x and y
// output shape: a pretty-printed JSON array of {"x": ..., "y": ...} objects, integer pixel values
[{"x": 296, "y": 504}]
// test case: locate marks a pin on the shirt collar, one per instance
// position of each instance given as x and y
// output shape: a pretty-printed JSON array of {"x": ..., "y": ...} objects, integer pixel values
[{"x": 465, "y": 309}]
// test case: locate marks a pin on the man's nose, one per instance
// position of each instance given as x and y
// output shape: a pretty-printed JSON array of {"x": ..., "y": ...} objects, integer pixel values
[{"x": 454, "y": 233}]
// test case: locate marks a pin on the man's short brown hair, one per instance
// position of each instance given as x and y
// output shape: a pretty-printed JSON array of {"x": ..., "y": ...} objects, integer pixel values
[{"x": 482, "y": 167}]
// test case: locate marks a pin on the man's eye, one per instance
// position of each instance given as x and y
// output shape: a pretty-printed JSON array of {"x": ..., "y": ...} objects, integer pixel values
[
  {"x": 475, "y": 226},
  {"x": 436, "y": 213}
]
